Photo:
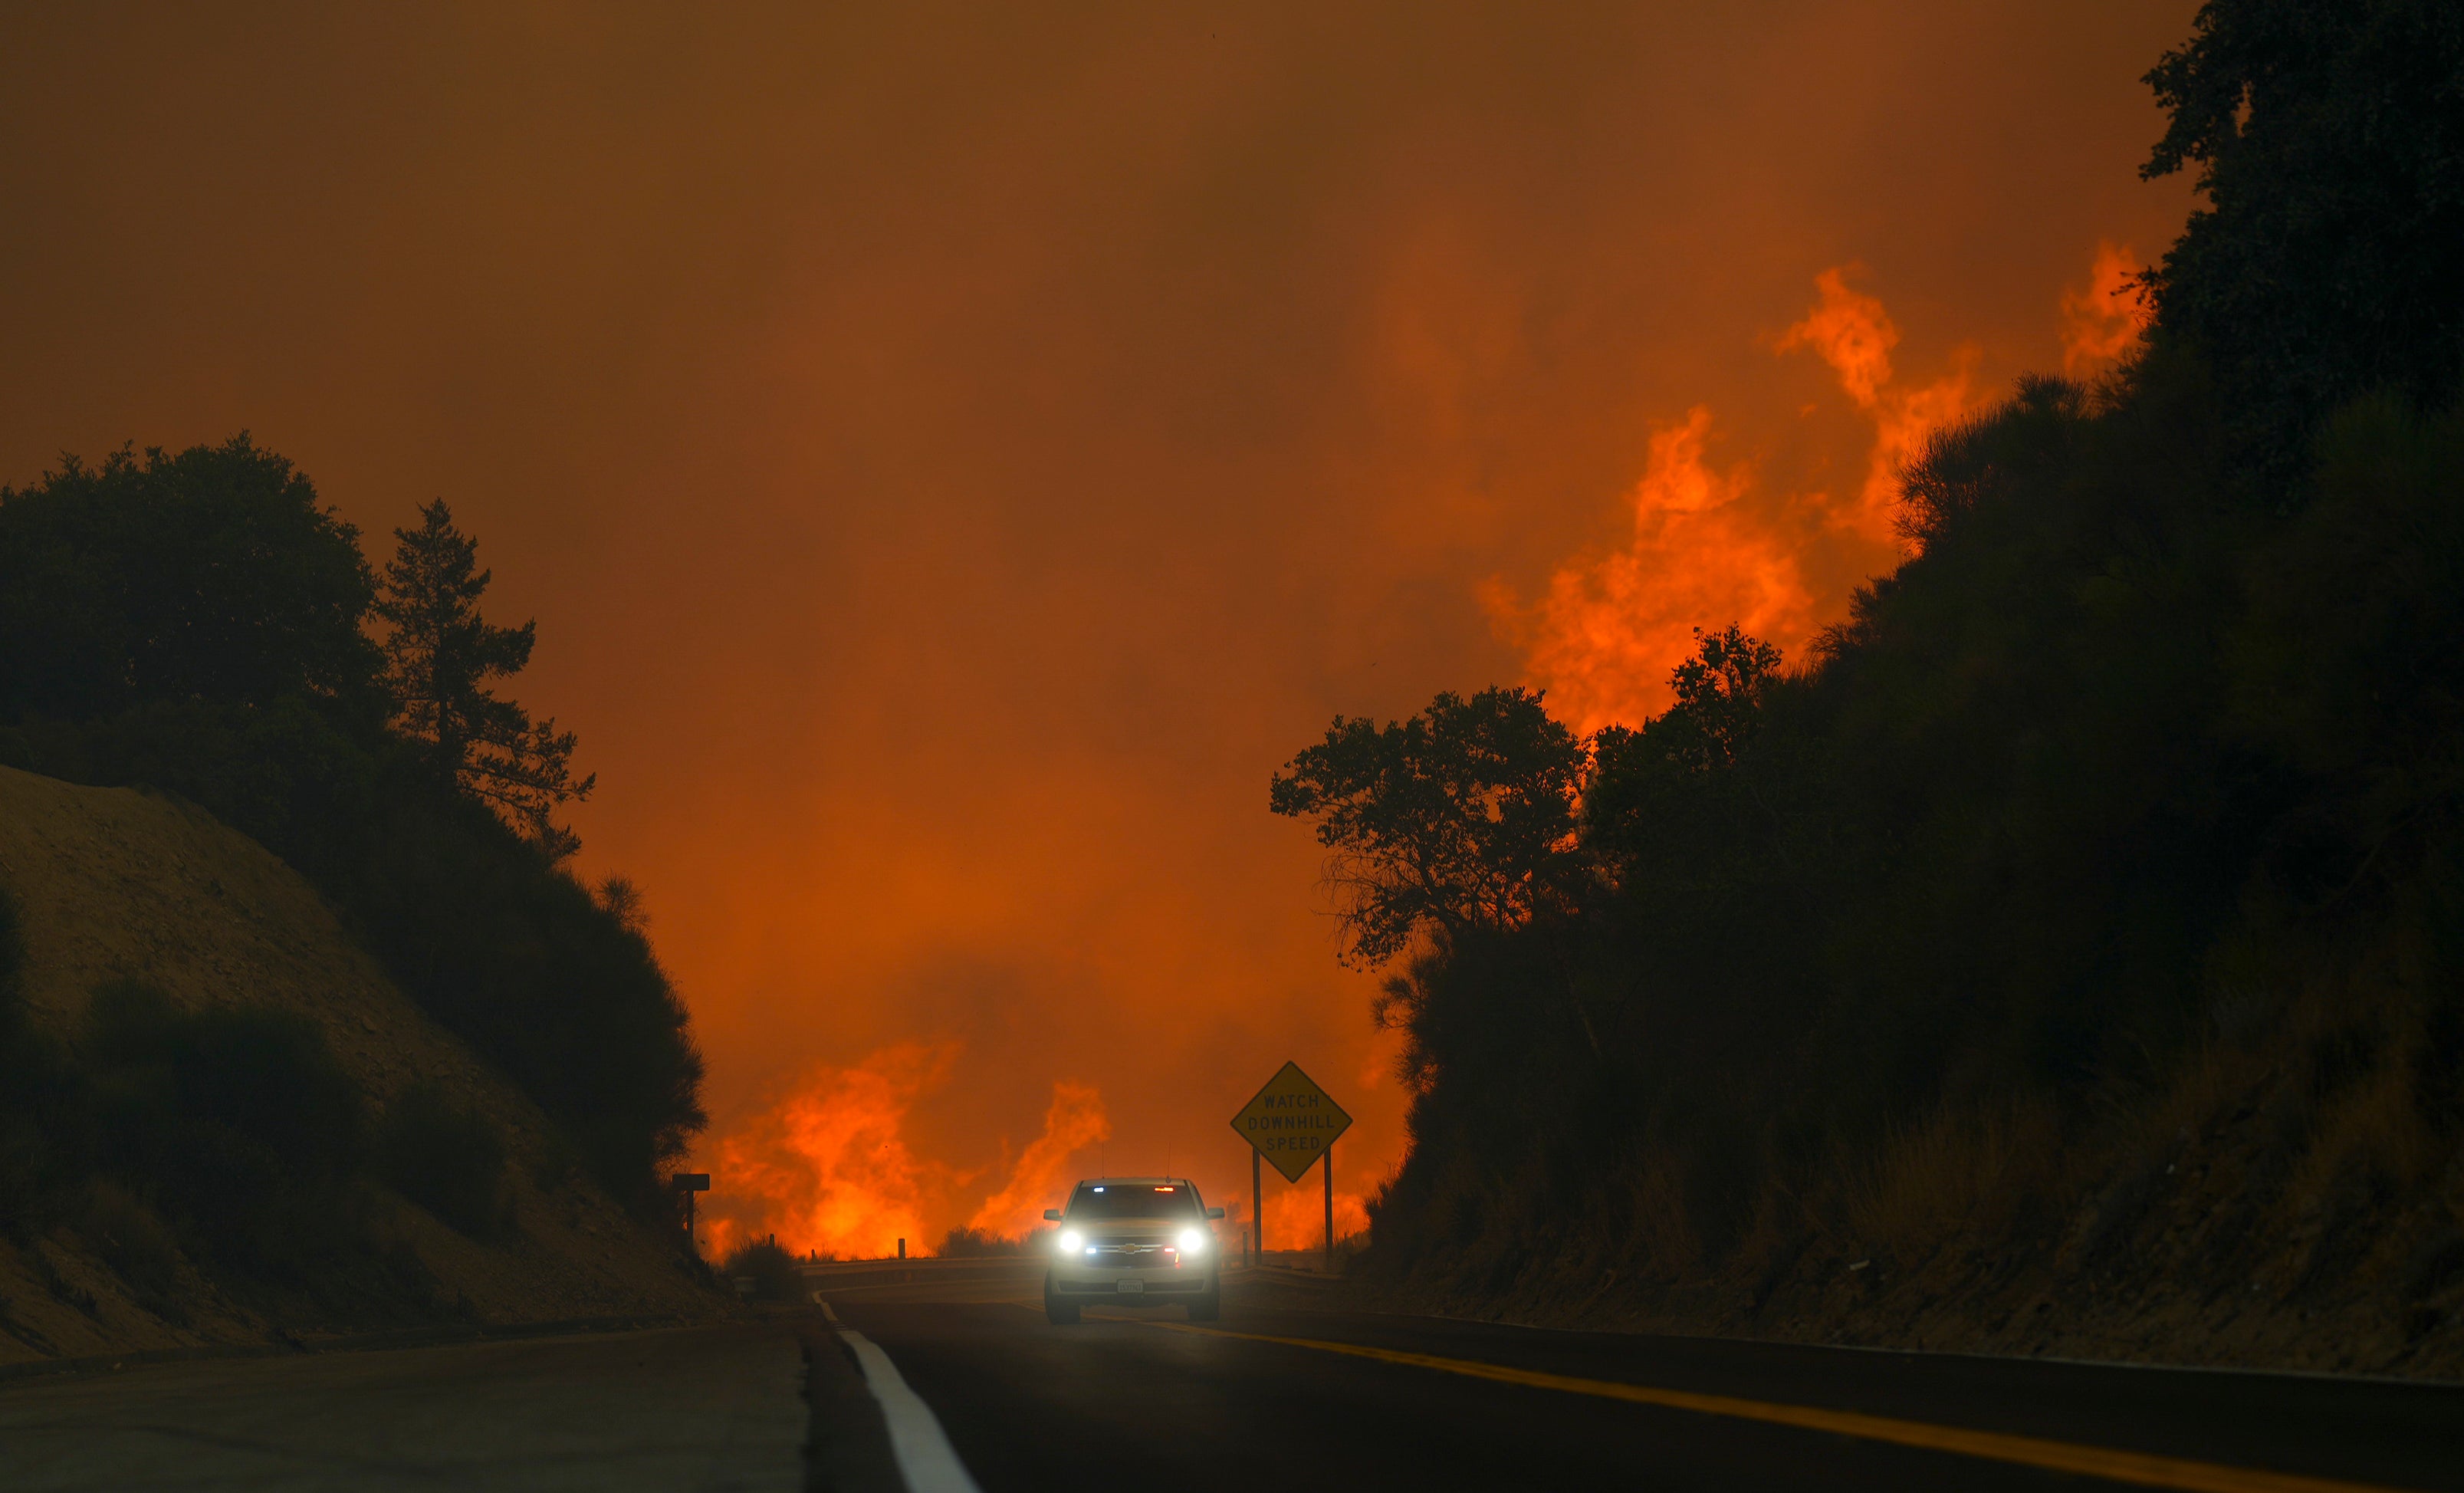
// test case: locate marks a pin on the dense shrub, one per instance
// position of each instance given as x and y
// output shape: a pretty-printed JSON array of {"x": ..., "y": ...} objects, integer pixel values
[
  {"x": 966, "y": 1243},
  {"x": 448, "y": 1159},
  {"x": 212, "y": 574},
  {"x": 46, "y": 1132},
  {"x": 529, "y": 966},
  {"x": 769, "y": 1266},
  {"x": 136, "y": 1244},
  {"x": 236, "y": 1124}
]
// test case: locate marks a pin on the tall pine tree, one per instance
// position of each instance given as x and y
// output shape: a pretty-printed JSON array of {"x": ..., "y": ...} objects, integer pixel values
[{"x": 441, "y": 655}]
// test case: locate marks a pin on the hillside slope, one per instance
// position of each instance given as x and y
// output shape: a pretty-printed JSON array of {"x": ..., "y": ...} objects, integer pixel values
[
  {"x": 115, "y": 883},
  {"x": 2240, "y": 1220}
]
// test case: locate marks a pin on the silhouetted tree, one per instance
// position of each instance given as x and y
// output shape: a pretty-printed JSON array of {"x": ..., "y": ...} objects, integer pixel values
[
  {"x": 2326, "y": 261},
  {"x": 2113, "y": 776},
  {"x": 1720, "y": 695},
  {"x": 1665, "y": 791},
  {"x": 192, "y": 622},
  {"x": 212, "y": 574},
  {"x": 1458, "y": 816},
  {"x": 441, "y": 655},
  {"x": 1969, "y": 462}
]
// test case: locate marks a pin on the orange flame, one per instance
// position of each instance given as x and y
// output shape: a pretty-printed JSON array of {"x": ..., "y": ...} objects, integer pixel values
[
  {"x": 828, "y": 1171},
  {"x": 1708, "y": 550},
  {"x": 1074, "y": 1121},
  {"x": 1296, "y": 1219},
  {"x": 2104, "y": 320},
  {"x": 1849, "y": 331},
  {"x": 1605, "y": 636}
]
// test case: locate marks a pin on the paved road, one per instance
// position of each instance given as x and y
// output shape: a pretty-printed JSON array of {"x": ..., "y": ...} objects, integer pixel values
[
  {"x": 1286, "y": 1385},
  {"x": 1280, "y": 1388},
  {"x": 688, "y": 1409}
]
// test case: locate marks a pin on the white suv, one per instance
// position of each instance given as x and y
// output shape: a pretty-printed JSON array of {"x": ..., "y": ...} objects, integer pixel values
[{"x": 1134, "y": 1241}]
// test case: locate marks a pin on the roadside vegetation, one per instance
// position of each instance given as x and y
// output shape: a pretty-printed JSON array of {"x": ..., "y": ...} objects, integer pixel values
[
  {"x": 197, "y": 622},
  {"x": 763, "y": 1270},
  {"x": 230, "y": 1140},
  {"x": 968, "y": 1243},
  {"x": 2088, "y": 906}
]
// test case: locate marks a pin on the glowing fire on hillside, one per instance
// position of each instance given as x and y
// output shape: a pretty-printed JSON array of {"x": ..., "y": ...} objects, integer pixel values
[
  {"x": 828, "y": 1169},
  {"x": 1711, "y": 548},
  {"x": 1851, "y": 331},
  {"x": 2106, "y": 317},
  {"x": 1713, "y": 541},
  {"x": 1604, "y": 637},
  {"x": 1296, "y": 1219}
]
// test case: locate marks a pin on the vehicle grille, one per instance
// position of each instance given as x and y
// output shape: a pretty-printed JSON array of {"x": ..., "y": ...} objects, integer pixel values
[{"x": 1144, "y": 1253}]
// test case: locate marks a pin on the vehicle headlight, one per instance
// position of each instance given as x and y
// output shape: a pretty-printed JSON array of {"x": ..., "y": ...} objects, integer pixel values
[
  {"x": 1193, "y": 1241},
  {"x": 1071, "y": 1239}
]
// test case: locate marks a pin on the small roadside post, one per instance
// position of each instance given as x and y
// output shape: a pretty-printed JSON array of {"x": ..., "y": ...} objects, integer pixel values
[
  {"x": 1257, "y": 1210},
  {"x": 1294, "y": 1124},
  {"x": 690, "y": 1183},
  {"x": 1326, "y": 1173}
]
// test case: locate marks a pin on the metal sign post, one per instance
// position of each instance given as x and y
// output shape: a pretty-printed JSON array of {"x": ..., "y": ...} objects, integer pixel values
[
  {"x": 1329, "y": 1170},
  {"x": 690, "y": 1183},
  {"x": 1294, "y": 1124},
  {"x": 1257, "y": 1211}
]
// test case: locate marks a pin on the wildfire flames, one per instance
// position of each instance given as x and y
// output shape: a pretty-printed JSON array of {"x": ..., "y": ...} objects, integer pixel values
[
  {"x": 829, "y": 1171},
  {"x": 1075, "y": 1120},
  {"x": 1710, "y": 547},
  {"x": 1608, "y": 631},
  {"x": 1296, "y": 1219},
  {"x": 1851, "y": 331},
  {"x": 2102, "y": 322}
]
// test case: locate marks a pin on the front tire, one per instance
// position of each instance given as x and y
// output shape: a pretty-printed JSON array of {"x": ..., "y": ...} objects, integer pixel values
[
  {"x": 1209, "y": 1306},
  {"x": 1059, "y": 1314}
]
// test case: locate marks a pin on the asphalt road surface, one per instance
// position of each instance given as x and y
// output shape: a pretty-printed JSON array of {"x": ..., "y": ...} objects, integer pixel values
[
  {"x": 940, "y": 1382},
  {"x": 1284, "y": 1388}
]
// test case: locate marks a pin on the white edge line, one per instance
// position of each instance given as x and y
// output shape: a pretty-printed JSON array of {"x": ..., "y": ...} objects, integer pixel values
[{"x": 925, "y": 1459}]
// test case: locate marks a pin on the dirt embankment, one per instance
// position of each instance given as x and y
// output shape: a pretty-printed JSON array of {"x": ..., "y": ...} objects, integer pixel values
[
  {"x": 2262, "y": 1213},
  {"x": 115, "y": 884}
]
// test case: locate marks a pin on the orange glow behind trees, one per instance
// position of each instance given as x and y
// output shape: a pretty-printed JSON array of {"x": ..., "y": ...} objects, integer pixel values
[
  {"x": 829, "y": 1168},
  {"x": 1709, "y": 548},
  {"x": 2105, "y": 319},
  {"x": 1851, "y": 331},
  {"x": 1602, "y": 640},
  {"x": 954, "y": 458}
]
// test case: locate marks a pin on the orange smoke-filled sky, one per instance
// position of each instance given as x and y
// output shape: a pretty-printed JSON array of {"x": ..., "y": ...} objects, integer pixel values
[{"x": 955, "y": 453}]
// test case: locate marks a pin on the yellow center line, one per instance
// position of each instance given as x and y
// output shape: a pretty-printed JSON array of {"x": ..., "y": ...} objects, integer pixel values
[{"x": 2094, "y": 1461}]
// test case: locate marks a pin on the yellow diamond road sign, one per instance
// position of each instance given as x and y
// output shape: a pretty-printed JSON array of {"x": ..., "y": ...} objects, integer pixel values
[{"x": 1292, "y": 1122}]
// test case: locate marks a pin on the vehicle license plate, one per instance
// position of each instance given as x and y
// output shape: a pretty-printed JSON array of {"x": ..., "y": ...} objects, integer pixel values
[{"x": 1132, "y": 1288}]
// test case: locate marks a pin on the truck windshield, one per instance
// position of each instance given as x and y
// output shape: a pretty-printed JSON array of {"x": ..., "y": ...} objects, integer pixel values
[{"x": 1132, "y": 1202}]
